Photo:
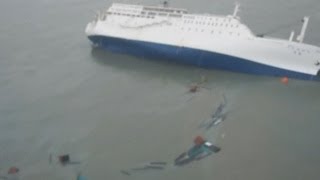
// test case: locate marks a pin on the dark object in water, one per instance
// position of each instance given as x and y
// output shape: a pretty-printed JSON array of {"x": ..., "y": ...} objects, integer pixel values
[
  {"x": 217, "y": 117},
  {"x": 220, "y": 108},
  {"x": 214, "y": 148},
  {"x": 125, "y": 172},
  {"x": 182, "y": 159},
  {"x": 158, "y": 163},
  {"x": 148, "y": 167},
  {"x": 194, "y": 88},
  {"x": 13, "y": 170},
  {"x": 64, "y": 159}
]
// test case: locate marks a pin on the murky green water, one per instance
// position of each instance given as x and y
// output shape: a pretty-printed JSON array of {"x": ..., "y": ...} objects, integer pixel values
[{"x": 112, "y": 112}]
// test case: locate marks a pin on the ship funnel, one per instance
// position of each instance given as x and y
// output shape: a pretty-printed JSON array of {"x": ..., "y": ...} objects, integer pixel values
[
  {"x": 305, "y": 21},
  {"x": 236, "y": 10}
]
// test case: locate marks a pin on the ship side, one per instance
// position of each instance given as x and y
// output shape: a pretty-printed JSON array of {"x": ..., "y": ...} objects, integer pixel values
[{"x": 209, "y": 41}]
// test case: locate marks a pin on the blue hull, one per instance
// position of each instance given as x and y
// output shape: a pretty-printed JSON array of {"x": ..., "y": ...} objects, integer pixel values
[{"x": 191, "y": 56}]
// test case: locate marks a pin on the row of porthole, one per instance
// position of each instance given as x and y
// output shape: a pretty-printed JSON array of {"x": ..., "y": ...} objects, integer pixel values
[
  {"x": 212, "y": 24},
  {"x": 212, "y": 32}
]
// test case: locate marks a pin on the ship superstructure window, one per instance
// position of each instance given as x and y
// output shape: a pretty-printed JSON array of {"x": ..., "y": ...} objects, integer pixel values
[
  {"x": 158, "y": 9},
  {"x": 163, "y": 14},
  {"x": 175, "y": 15}
]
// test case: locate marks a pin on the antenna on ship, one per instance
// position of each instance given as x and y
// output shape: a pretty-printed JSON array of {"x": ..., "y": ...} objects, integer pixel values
[
  {"x": 305, "y": 21},
  {"x": 236, "y": 9}
]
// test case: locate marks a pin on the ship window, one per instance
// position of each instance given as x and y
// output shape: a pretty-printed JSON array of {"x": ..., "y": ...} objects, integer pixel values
[
  {"x": 175, "y": 15},
  {"x": 212, "y": 32},
  {"x": 162, "y": 14},
  {"x": 202, "y": 30},
  {"x": 151, "y": 13},
  {"x": 143, "y": 12}
]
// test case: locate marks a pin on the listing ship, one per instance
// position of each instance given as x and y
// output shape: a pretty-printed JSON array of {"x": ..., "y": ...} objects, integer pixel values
[{"x": 205, "y": 40}]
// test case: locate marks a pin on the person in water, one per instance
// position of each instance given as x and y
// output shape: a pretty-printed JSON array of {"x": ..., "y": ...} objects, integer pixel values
[{"x": 200, "y": 150}]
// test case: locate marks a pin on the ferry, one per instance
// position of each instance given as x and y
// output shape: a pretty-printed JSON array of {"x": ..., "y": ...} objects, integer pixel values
[{"x": 209, "y": 41}]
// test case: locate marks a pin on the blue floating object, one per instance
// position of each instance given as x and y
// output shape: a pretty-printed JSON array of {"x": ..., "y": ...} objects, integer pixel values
[{"x": 80, "y": 177}]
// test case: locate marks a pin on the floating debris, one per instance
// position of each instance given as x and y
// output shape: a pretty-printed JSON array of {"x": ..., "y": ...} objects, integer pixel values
[
  {"x": 157, "y": 165},
  {"x": 195, "y": 87},
  {"x": 13, "y": 170},
  {"x": 200, "y": 150},
  {"x": 81, "y": 177},
  {"x": 125, "y": 172},
  {"x": 63, "y": 160},
  {"x": 217, "y": 117}
]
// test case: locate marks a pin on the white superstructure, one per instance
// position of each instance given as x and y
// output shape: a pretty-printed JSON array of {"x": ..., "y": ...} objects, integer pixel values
[{"x": 223, "y": 36}]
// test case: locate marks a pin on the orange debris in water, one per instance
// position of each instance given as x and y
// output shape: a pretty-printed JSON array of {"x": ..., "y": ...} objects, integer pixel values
[
  {"x": 285, "y": 80},
  {"x": 198, "y": 140}
]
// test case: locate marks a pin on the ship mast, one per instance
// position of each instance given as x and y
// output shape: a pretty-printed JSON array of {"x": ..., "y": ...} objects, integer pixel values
[
  {"x": 305, "y": 21},
  {"x": 236, "y": 10}
]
